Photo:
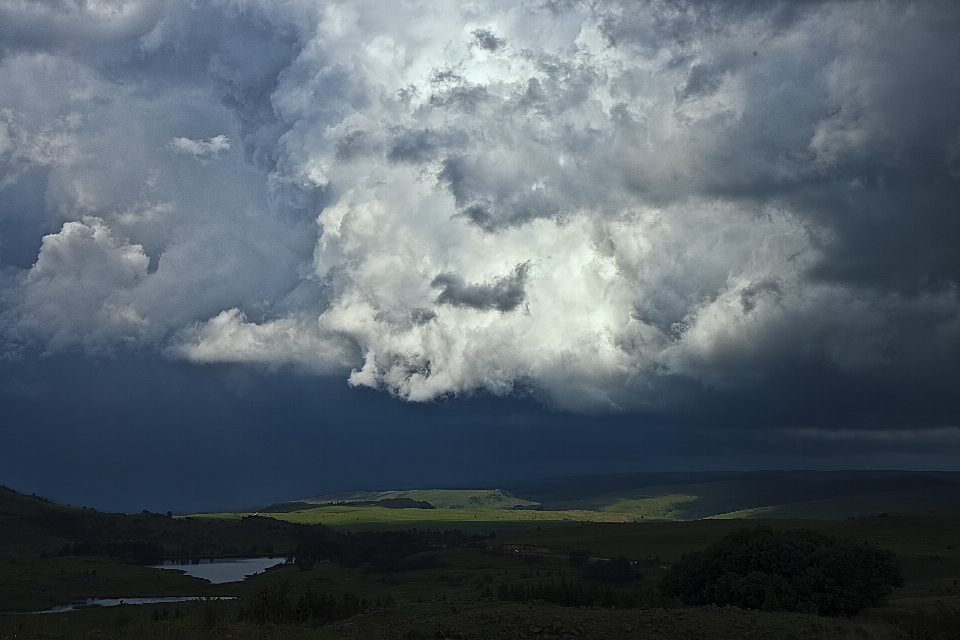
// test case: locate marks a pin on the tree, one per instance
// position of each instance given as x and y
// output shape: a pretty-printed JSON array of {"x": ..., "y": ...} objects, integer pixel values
[
  {"x": 616, "y": 571},
  {"x": 799, "y": 570}
]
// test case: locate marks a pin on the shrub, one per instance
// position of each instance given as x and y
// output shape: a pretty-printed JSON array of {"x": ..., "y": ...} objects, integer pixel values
[
  {"x": 273, "y": 604},
  {"x": 938, "y": 624},
  {"x": 577, "y": 594},
  {"x": 270, "y": 605},
  {"x": 396, "y": 563},
  {"x": 578, "y": 558},
  {"x": 798, "y": 570},
  {"x": 616, "y": 571}
]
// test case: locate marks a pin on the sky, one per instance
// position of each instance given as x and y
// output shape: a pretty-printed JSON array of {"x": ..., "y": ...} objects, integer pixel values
[{"x": 256, "y": 250}]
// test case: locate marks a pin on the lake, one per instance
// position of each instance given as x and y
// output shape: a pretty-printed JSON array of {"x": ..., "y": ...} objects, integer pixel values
[
  {"x": 216, "y": 571},
  {"x": 221, "y": 570},
  {"x": 114, "y": 602}
]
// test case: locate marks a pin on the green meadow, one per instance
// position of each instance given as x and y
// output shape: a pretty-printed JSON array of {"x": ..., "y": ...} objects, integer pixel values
[
  {"x": 637, "y": 498},
  {"x": 471, "y": 520},
  {"x": 491, "y": 499}
]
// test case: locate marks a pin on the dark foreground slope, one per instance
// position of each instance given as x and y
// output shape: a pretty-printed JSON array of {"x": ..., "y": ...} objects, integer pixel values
[
  {"x": 33, "y": 525},
  {"x": 509, "y": 586},
  {"x": 52, "y": 554},
  {"x": 501, "y": 592}
]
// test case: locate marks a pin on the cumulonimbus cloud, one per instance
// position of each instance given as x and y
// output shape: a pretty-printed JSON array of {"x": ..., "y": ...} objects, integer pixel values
[{"x": 575, "y": 200}]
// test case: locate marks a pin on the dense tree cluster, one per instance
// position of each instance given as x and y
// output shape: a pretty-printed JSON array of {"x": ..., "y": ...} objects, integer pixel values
[
  {"x": 575, "y": 593},
  {"x": 396, "y": 563},
  {"x": 615, "y": 571},
  {"x": 132, "y": 551},
  {"x": 799, "y": 570},
  {"x": 381, "y": 551},
  {"x": 273, "y": 604}
]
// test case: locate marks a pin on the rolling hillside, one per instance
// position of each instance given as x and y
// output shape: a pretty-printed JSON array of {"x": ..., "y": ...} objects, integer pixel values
[
  {"x": 825, "y": 495},
  {"x": 438, "y": 498},
  {"x": 770, "y": 494}
]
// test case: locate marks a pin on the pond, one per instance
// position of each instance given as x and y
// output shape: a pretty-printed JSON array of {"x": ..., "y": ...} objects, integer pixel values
[
  {"x": 217, "y": 571},
  {"x": 221, "y": 570},
  {"x": 114, "y": 602}
]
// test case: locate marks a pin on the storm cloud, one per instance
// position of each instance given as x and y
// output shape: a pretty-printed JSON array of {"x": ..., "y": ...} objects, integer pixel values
[
  {"x": 606, "y": 206},
  {"x": 504, "y": 294}
]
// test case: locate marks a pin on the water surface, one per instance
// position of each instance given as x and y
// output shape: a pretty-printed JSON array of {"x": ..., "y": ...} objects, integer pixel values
[
  {"x": 223, "y": 570},
  {"x": 218, "y": 571},
  {"x": 114, "y": 602}
]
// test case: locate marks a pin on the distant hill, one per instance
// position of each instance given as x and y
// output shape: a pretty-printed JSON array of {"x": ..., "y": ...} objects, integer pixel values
[
  {"x": 755, "y": 494},
  {"x": 388, "y": 503},
  {"x": 437, "y": 498},
  {"x": 831, "y": 495}
]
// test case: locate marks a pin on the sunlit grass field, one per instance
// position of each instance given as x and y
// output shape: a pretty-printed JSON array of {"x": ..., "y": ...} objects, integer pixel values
[
  {"x": 469, "y": 520},
  {"x": 439, "y": 498}
]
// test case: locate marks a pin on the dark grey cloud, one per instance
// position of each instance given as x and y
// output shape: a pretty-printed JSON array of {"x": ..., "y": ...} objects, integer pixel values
[
  {"x": 419, "y": 146},
  {"x": 502, "y": 294},
  {"x": 413, "y": 146},
  {"x": 490, "y": 198},
  {"x": 702, "y": 82},
  {"x": 486, "y": 39}
]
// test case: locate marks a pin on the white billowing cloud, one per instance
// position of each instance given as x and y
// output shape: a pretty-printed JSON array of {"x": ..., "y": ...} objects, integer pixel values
[
  {"x": 81, "y": 288},
  {"x": 229, "y": 337},
  {"x": 575, "y": 200},
  {"x": 201, "y": 148},
  {"x": 211, "y": 239}
]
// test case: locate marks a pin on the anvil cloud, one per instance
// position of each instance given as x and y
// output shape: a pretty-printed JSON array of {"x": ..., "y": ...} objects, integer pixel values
[{"x": 609, "y": 206}]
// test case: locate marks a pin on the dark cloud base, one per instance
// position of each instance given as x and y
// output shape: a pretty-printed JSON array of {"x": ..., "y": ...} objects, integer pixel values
[{"x": 145, "y": 433}]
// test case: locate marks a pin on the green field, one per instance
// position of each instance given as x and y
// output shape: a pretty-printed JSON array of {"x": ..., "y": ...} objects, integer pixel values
[
  {"x": 471, "y": 520},
  {"x": 487, "y": 499},
  {"x": 665, "y": 496}
]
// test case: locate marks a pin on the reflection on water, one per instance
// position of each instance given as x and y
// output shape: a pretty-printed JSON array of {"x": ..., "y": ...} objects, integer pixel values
[
  {"x": 113, "y": 602},
  {"x": 223, "y": 570},
  {"x": 216, "y": 571}
]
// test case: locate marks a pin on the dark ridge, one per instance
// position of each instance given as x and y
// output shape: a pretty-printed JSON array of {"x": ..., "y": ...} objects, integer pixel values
[
  {"x": 393, "y": 503},
  {"x": 287, "y": 507}
]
